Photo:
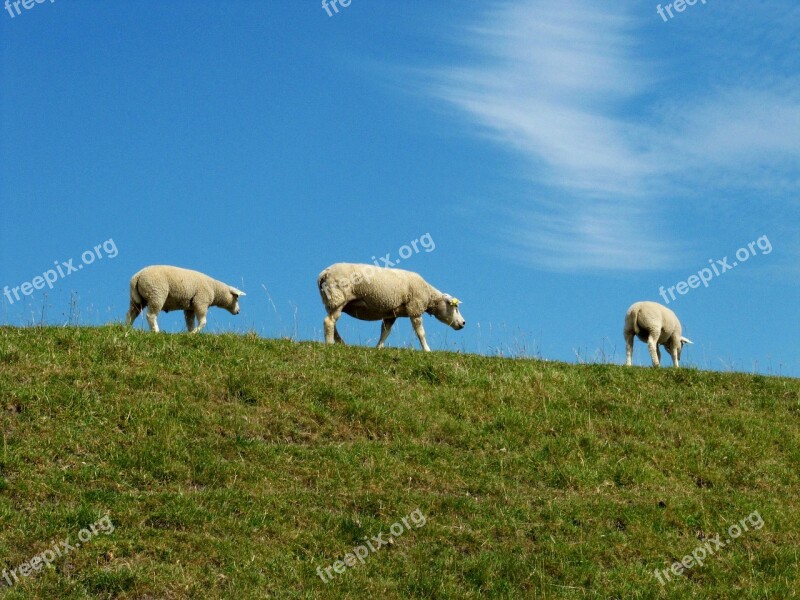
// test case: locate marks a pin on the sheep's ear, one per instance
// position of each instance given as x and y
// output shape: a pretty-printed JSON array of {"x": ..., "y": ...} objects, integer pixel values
[
  {"x": 450, "y": 300},
  {"x": 686, "y": 340},
  {"x": 238, "y": 293}
]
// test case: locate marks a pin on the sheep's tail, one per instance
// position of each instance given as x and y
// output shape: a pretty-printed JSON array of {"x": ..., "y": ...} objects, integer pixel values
[
  {"x": 136, "y": 297},
  {"x": 322, "y": 284},
  {"x": 636, "y": 320}
]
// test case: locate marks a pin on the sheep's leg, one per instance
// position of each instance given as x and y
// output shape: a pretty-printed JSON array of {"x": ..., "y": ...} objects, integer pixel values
[
  {"x": 152, "y": 319},
  {"x": 416, "y": 322},
  {"x": 336, "y": 337},
  {"x": 134, "y": 311},
  {"x": 386, "y": 328},
  {"x": 329, "y": 325},
  {"x": 658, "y": 353},
  {"x": 652, "y": 346},
  {"x": 200, "y": 313},
  {"x": 674, "y": 354},
  {"x": 628, "y": 348},
  {"x": 189, "y": 316}
]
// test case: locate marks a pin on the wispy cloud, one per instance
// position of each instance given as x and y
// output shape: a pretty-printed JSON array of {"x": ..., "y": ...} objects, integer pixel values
[{"x": 564, "y": 85}]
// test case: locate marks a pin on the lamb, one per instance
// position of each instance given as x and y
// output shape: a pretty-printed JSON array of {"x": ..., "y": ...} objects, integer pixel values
[
  {"x": 372, "y": 293},
  {"x": 654, "y": 324},
  {"x": 162, "y": 287}
]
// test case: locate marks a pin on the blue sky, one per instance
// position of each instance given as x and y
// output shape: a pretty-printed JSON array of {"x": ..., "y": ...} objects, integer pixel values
[{"x": 566, "y": 159}]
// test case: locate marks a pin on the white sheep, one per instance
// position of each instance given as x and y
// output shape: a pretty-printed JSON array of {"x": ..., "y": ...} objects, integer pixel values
[
  {"x": 654, "y": 324},
  {"x": 161, "y": 287},
  {"x": 372, "y": 293}
]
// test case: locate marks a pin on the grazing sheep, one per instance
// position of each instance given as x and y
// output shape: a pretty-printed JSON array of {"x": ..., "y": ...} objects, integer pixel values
[
  {"x": 654, "y": 324},
  {"x": 166, "y": 288},
  {"x": 372, "y": 293}
]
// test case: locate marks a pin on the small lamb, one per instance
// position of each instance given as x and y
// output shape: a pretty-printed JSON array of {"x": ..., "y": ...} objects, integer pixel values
[
  {"x": 161, "y": 287},
  {"x": 372, "y": 293},
  {"x": 654, "y": 324}
]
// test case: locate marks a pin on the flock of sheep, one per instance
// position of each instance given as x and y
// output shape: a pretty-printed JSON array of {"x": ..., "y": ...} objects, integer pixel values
[{"x": 368, "y": 293}]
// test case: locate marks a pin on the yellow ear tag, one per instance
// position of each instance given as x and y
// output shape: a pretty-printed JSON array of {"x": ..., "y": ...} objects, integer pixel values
[{"x": 455, "y": 302}]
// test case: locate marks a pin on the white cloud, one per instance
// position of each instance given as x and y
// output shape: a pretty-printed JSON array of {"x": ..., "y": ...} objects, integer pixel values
[{"x": 562, "y": 85}]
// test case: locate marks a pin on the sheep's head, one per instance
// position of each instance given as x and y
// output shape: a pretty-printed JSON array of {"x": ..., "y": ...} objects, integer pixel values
[
  {"x": 231, "y": 303},
  {"x": 446, "y": 310}
]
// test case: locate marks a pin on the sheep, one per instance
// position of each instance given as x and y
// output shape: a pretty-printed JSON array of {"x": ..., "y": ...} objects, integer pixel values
[
  {"x": 162, "y": 287},
  {"x": 372, "y": 293},
  {"x": 654, "y": 324}
]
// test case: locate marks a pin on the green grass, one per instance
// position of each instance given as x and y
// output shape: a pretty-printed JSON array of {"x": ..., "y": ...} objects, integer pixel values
[{"x": 233, "y": 467}]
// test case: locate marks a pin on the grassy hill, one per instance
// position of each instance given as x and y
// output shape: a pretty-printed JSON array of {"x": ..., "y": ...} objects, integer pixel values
[{"x": 234, "y": 467}]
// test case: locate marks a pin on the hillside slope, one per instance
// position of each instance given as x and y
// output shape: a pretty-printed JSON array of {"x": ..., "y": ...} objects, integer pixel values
[{"x": 235, "y": 467}]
